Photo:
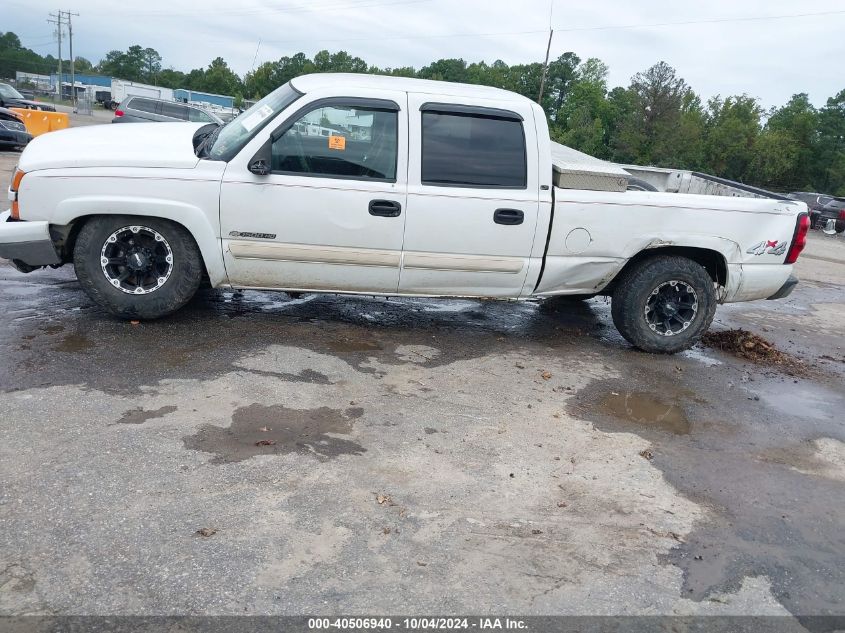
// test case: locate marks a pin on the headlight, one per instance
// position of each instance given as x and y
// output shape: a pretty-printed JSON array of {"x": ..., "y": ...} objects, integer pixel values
[{"x": 15, "y": 126}]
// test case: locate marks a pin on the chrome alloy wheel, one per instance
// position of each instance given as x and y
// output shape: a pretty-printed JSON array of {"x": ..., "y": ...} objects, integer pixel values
[
  {"x": 671, "y": 308},
  {"x": 136, "y": 260}
]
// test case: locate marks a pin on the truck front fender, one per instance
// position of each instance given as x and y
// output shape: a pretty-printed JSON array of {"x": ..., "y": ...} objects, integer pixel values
[{"x": 194, "y": 219}]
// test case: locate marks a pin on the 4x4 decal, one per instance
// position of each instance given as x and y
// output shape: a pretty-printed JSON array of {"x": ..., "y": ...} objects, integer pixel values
[{"x": 768, "y": 247}]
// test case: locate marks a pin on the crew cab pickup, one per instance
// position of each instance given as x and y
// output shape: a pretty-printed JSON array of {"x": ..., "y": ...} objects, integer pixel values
[{"x": 386, "y": 186}]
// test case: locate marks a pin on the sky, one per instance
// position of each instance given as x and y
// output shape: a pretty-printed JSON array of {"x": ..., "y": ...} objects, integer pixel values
[{"x": 720, "y": 47}]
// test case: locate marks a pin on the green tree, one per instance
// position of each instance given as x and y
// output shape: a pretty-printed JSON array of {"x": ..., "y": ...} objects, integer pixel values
[{"x": 732, "y": 129}]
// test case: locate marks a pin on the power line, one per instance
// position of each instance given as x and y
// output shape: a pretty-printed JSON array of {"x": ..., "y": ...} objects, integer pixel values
[
  {"x": 302, "y": 8},
  {"x": 570, "y": 30}
]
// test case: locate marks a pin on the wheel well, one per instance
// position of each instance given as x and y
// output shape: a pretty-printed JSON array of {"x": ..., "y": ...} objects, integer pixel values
[
  {"x": 712, "y": 261},
  {"x": 64, "y": 236}
]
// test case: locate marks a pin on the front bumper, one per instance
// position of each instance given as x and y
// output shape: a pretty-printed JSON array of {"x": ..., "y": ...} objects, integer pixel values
[
  {"x": 27, "y": 244},
  {"x": 13, "y": 137},
  {"x": 786, "y": 289}
]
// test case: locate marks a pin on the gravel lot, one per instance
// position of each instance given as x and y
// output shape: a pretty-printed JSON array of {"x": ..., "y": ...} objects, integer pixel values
[{"x": 416, "y": 456}]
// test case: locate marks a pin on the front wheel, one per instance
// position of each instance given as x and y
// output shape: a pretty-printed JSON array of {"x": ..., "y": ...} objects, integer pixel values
[
  {"x": 663, "y": 305},
  {"x": 137, "y": 267}
]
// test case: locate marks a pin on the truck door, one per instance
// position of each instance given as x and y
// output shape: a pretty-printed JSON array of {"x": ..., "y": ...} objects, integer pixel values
[
  {"x": 473, "y": 197},
  {"x": 330, "y": 214}
]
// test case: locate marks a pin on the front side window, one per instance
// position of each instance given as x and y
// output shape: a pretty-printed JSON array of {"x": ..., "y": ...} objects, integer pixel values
[
  {"x": 472, "y": 150},
  {"x": 199, "y": 116},
  {"x": 340, "y": 141}
]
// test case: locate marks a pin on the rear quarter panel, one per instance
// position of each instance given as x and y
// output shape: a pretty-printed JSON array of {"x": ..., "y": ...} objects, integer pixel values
[{"x": 595, "y": 233}]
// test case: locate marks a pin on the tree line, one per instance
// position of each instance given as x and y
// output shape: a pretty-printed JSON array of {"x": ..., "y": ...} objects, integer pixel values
[{"x": 658, "y": 119}]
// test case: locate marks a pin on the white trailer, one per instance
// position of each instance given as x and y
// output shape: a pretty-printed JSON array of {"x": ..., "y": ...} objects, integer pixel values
[{"x": 120, "y": 89}]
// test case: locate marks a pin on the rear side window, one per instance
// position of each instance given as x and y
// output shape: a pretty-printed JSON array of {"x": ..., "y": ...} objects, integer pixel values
[
  {"x": 174, "y": 111},
  {"x": 471, "y": 150},
  {"x": 144, "y": 105}
]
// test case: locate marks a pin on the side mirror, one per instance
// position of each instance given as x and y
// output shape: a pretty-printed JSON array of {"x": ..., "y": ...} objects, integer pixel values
[
  {"x": 259, "y": 167},
  {"x": 260, "y": 163}
]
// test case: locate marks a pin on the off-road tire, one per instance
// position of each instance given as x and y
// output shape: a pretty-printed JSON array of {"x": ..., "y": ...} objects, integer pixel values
[
  {"x": 633, "y": 290},
  {"x": 182, "y": 282}
]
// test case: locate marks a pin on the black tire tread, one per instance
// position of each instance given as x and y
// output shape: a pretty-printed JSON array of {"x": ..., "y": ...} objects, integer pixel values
[
  {"x": 176, "y": 292},
  {"x": 636, "y": 283}
]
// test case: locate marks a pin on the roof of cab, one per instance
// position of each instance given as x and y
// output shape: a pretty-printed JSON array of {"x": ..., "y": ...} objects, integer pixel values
[{"x": 318, "y": 81}]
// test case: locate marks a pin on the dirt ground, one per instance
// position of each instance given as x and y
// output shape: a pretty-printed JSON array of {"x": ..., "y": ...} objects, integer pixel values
[{"x": 262, "y": 454}]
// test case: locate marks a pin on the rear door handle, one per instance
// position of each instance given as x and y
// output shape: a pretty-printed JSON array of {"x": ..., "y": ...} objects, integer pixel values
[
  {"x": 385, "y": 208},
  {"x": 508, "y": 217}
]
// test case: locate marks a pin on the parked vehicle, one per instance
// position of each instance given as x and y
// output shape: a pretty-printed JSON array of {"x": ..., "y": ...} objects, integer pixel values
[
  {"x": 12, "y": 130},
  {"x": 832, "y": 216},
  {"x": 422, "y": 189},
  {"x": 122, "y": 89},
  {"x": 11, "y": 98},
  {"x": 815, "y": 203},
  {"x": 144, "y": 110}
]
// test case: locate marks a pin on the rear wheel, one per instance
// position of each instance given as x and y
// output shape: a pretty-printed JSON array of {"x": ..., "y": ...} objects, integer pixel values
[
  {"x": 137, "y": 267},
  {"x": 663, "y": 305}
]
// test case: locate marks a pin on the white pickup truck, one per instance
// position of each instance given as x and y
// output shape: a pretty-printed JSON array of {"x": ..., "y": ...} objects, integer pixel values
[{"x": 389, "y": 186}]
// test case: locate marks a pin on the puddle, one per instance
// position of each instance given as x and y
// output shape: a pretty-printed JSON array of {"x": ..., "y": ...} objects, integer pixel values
[
  {"x": 141, "y": 415},
  {"x": 277, "y": 430},
  {"x": 74, "y": 343},
  {"x": 644, "y": 408}
]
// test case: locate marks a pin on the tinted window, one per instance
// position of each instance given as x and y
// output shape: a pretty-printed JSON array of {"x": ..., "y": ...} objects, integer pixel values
[
  {"x": 340, "y": 141},
  {"x": 174, "y": 111},
  {"x": 472, "y": 150},
  {"x": 144, "y": 105}
]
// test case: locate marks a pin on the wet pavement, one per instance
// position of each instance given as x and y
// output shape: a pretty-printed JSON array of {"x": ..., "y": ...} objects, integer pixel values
[
  {"x": 362, "y": 454},
  {"x": 440, "y": 455}
]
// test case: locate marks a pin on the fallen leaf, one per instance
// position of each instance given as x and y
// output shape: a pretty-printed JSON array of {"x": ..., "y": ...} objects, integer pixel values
[
  {"x": 382, "y": 499},
  {"x": 562, "y": 504},
  {"x": 647, "y": 454},
  {"x": 547, "y": 375},
  {"x": 421, "y": 564},
  {"x": 265, "y": 429},
  {"x": 265, "y": 442},
  {"x": 206, "y": 532},
  {"x": 385, "y": 530},
  {"x": 536, "y": 531}
]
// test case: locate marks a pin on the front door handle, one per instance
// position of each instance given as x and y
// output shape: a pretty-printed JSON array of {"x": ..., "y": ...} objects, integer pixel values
[
  {"x": 385, "y": 208},
  {"x": 508, "y": 217}
]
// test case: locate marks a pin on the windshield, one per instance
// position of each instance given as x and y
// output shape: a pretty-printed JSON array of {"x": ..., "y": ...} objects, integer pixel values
[
  {"x": 239, "y": 131},
  {"x": 9, "y": 93}
]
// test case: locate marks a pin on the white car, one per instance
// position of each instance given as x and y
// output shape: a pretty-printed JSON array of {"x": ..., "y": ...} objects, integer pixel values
[{"x": 406, "y": 187}]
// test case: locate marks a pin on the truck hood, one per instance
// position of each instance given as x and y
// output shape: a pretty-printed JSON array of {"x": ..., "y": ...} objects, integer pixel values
[{"x": 126, "y": 145}]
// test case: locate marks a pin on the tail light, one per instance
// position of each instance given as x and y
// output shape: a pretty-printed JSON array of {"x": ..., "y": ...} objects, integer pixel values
[
  {"x": 118, "y": 112},
  {"x": 842, "y": 214},
  {"x": 799, "y": 240}
]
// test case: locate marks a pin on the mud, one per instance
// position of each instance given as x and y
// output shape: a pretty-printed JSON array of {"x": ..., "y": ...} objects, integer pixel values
[{"x": 277, "y": 430}]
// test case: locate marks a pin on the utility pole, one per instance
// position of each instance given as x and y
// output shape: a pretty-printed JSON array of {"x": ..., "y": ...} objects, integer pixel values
[
  {"x": 545, "y": 68},
  {"x": 58, "y": 22},
  {"x": 548, "y": 48},
  {"x": 72, "y": 75}
]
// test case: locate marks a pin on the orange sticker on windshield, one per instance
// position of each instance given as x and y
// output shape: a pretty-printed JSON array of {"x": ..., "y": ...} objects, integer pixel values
[{"x": 337, "y": 142}]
